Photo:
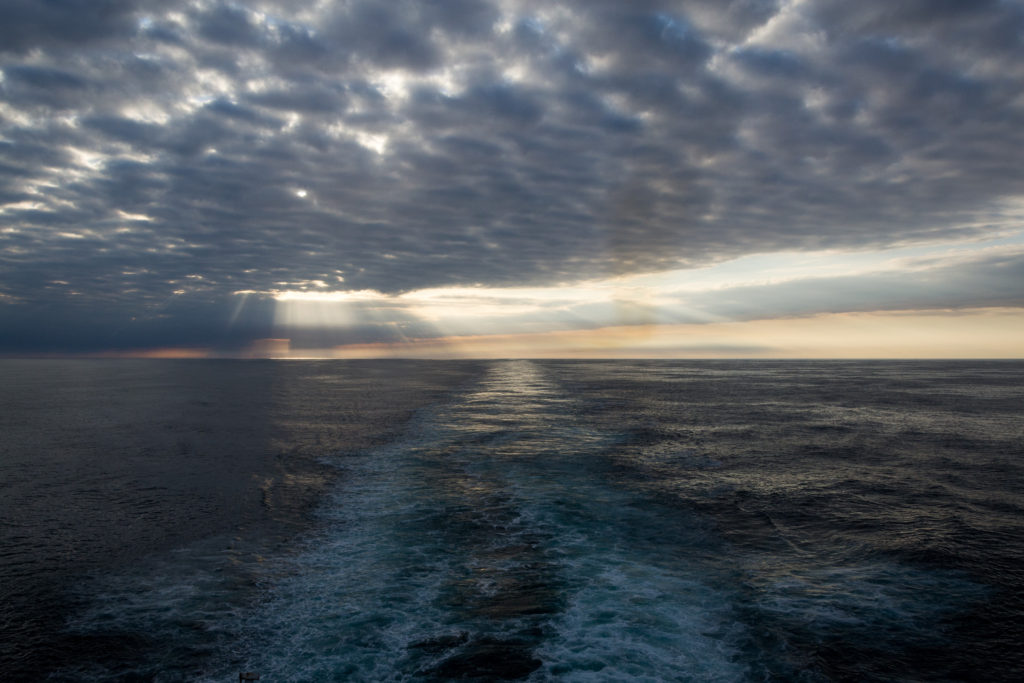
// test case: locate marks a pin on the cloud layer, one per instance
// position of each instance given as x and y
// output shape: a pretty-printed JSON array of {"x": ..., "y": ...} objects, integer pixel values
[{"x": 156, "y": 157}]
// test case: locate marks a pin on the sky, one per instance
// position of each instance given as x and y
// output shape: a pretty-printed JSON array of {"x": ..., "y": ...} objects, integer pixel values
[{"x": 512, "y": 178}]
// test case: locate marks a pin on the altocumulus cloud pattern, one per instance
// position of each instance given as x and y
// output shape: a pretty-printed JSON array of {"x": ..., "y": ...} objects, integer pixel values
[{"x": 158, "y": 157}]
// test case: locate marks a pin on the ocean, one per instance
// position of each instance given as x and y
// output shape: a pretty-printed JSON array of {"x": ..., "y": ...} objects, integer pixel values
[{"x": 511, "y": 520}]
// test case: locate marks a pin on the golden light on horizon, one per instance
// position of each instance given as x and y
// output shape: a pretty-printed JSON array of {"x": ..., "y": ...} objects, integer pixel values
[
  {"x": 687, "y": 313},
  {"x": 977, "y": 333}
]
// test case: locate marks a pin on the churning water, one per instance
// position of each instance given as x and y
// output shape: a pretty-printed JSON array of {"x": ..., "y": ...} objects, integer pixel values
[{"x": 533, "y": 520}]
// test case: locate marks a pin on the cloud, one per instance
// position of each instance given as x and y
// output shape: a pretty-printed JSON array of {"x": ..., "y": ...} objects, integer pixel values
[
  {"x": 983, "y": 281},
  {"x": 26, "y": 24},
  {"x": 493, "y": 143}
]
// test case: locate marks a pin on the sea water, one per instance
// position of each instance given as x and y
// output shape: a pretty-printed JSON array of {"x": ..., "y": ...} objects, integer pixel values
[{"x": 512, "y": 520}]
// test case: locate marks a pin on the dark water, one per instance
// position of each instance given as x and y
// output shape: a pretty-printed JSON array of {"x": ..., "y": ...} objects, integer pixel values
[{"x": 591, "y": 521}]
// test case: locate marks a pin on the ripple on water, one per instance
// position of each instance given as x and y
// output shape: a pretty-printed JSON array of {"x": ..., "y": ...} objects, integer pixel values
[{"x": 500, "y": 537}]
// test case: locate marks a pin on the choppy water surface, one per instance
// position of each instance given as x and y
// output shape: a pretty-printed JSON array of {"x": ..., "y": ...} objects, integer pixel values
[{"x": 702, "y": 521}]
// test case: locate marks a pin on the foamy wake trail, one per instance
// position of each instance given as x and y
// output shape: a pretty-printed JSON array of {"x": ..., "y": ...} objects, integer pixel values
[{"x": 486, "y": 544}]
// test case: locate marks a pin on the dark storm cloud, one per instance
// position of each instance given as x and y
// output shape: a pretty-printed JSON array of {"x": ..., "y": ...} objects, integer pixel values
[{"x": 210, "y": 147}]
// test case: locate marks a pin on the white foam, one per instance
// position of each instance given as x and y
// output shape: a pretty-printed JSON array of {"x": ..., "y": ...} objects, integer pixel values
[
  {"x": 634, "y": 621},
  {"x": 369, "y": 589}
]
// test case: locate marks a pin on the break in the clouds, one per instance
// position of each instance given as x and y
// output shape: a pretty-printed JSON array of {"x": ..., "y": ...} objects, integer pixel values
[{"x": 168, "y": 168}]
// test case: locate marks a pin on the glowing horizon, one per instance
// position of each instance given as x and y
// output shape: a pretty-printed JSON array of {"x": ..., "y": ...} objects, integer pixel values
[
  {"x": 985, "y": 333},
  {"x": 623, "y": 315}
]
